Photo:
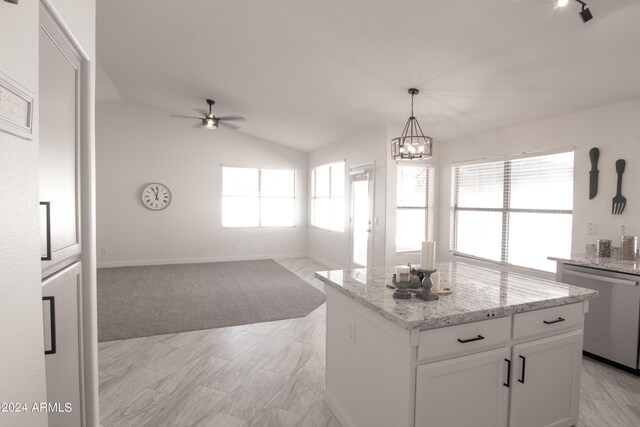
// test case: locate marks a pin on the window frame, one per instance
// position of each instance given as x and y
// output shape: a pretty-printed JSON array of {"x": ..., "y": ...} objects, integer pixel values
[
  {"x": 429, "y": 203},
  {"x": 313, "y": 196},
  {"x": 506, "y": 209},
  {"x": 259, "y": 197}
]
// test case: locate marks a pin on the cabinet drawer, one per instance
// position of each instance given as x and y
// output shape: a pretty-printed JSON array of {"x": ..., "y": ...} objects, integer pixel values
[
  {"x": 548, "y": 321},
  {"x": 463, "y": 339}
]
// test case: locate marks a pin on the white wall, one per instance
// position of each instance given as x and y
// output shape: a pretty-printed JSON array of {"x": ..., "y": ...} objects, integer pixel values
[
  {"x": 333, "y": 248},
  {"x": 614, "y": 129},
  {"x": 22, "y": 376},
  {"x": 137, "y": 145},
  {"x": 22, "y": 359}
]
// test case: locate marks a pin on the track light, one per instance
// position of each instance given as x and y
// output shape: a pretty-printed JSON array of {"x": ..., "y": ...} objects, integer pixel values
[{"x": 585, "y": 13}]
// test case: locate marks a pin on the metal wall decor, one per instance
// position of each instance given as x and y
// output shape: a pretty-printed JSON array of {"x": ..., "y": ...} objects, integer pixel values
[
  {"x": 619, "y": 201},
  {"x": 412, "y": 144},
  {"x": 594, "y": 154}
]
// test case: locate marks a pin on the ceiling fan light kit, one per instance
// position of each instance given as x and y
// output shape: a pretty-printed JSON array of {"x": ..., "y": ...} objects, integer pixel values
[
  {"x": 585, "y": 13},
  {"x": 412, "y": 143}
]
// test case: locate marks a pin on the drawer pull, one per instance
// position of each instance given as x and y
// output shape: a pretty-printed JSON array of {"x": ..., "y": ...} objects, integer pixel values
[
  {"x": 478, "y": 338},
  {"x": 524, "y": 362},
  {"x": 558, "y": 320},
  {"x": 508, "y": 383}
]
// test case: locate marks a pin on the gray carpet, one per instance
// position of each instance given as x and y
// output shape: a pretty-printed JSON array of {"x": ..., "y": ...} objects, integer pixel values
[{"x": 143, "y": 301}]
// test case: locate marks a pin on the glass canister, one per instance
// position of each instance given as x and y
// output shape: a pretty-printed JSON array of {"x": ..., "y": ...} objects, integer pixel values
[
  {"x": 604, "y": 248},
  {"x": 628, "y": 248}
]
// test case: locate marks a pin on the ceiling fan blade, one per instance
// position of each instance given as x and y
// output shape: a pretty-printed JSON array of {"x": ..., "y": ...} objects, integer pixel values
[
  {"x": 231, "y": 118},
  {"x": 178, "y": 116},
  {"x": 227, "y": 125}
]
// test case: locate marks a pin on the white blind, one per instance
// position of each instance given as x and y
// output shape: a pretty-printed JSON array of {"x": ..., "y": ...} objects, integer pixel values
[
  {"x": 414, "y": 200},
  {"x": 327, "y": 196},
  {"x": 516, "y": 211},
  {"x": 258, "y": 197}
]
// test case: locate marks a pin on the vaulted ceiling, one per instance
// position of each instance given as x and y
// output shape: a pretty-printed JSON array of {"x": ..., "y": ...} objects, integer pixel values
[{"x": 308, "y": 73}]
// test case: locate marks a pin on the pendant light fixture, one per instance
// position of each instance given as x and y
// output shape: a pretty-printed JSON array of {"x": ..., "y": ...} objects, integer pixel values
[{"x": 412, "y": 144}]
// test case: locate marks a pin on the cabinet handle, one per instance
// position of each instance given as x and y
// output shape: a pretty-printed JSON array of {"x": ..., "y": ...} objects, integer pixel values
[
  {"x": 47, "y": 206},
  {"x": 558, "y": 320},
  {"x": 508, "y": 383},
  {"x": 524, "y": 363},
  {"x": 52, "y": 321},
  {"x": 478, "y": 338}
]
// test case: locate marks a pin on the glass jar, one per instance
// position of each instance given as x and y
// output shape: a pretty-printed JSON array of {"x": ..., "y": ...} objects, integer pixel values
[{"x": 628, "y": 248}]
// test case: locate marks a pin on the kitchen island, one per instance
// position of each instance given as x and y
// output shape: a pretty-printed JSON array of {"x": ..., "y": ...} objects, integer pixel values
[{"x": 501, "y": 349}]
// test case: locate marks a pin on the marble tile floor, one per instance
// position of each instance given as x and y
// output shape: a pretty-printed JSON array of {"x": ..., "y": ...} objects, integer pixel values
[{"x": 272, "y": 374}]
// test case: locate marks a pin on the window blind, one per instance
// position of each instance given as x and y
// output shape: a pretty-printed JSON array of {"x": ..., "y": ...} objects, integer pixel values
[
  {"x": 258, "y": 197},
  {"x": 327, "y": 196},
  {"x": 516, "y": 211},
  {"x": 414, "y": 202}
]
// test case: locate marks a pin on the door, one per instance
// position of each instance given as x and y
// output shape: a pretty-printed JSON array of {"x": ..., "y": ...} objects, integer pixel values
[
  {"x": 545, "y": 381},
  {"x": 361, "y": 215},
  {"x": 63, "y": 337},
  {"x": 467, "y": 391},
  {"x": 607, "y": 330},
  {"x": 59, "y": 159}
]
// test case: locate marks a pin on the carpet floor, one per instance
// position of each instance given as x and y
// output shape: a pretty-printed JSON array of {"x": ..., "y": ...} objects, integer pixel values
[{"x": 163, "y": 299}]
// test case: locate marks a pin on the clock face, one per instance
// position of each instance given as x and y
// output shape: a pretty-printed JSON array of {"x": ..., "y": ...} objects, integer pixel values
[{"x": 156, "y": 196}]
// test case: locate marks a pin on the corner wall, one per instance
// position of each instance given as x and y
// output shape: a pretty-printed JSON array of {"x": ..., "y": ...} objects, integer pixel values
[
  {"x": 137, "y": 145},
  {"x": 614, "y": 129},
  {"x": 333, "y": 248}
]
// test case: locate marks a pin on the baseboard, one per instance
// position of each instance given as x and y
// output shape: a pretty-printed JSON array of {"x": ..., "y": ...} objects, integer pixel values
[
  {"x": 337, "y": 412},
  {"x": 329, "y": 264},
  {"x": 144, "y": 262}
]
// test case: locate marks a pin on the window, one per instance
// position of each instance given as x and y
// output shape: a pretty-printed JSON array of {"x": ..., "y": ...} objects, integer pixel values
[
  {"x": 258, "y": 197},
  {"x": 414, "y": 200},
  {"x": 516, "y": 211},
  {"x": 327, "y": 197}
]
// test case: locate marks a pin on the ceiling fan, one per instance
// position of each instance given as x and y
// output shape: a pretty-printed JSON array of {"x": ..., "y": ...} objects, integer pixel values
[{"x": 209, "y": 121}]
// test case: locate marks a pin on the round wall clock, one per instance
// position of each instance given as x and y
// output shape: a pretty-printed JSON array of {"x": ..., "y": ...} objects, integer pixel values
[{"x": 156, "y": 196}]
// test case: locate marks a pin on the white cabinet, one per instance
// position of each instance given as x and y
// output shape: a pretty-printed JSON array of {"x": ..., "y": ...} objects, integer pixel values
[
  {"x": 59, "y": 154},
  {"x": 520, "y": 370},
  {"x": 467, "y": 391},
  {"x": 546, "y": 381},
  {"x": 63, "y": 351}
]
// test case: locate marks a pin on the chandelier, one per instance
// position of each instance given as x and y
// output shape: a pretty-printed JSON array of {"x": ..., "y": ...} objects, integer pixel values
[{"x": 412, "y": 144}]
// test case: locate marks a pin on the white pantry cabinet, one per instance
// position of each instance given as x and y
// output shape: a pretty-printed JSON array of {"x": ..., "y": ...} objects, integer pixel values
[{"x": 62, "y": 318}]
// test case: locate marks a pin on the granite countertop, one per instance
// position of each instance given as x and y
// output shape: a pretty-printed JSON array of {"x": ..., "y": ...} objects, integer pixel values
[
  {"x": 478, "y": 293},
  {"x": 610, "y": 264}
]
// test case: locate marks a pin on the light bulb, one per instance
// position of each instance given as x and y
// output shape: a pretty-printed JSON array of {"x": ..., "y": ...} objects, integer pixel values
[{"x": 563, "y": 3}]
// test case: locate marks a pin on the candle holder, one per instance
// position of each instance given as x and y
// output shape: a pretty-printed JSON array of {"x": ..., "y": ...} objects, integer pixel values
[
  {"x": 401, "y": 291},
  {"x": 426, "y": 294}
]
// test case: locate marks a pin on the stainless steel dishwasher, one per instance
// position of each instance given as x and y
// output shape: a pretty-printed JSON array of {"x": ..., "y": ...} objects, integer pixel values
[{"x": 611, "y": 328}]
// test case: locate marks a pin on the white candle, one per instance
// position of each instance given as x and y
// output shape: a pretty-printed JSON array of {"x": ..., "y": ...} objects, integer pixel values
[
  {"x": 402, "y": 273},
  {"x": 428, "y": 256},
  {"x": 435, "y": 280}
]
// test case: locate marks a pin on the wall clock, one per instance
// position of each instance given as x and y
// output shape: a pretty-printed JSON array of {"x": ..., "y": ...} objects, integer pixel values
[{"x": 156, "y": 196}]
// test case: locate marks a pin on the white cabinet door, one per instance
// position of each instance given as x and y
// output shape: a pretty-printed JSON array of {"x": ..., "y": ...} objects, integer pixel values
[
  {"x": 545, "y": 381},
  {"x": 63, "y": 331},
  {"x": 467, "y": 391},
  {"x": 59, "y": 167}
]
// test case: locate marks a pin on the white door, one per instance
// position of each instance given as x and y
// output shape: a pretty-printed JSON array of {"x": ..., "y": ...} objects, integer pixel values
[
  {"x": 361, "y": 215},
  {"x": 467, "y": 391},
  {"x": 546, "y": 381}
]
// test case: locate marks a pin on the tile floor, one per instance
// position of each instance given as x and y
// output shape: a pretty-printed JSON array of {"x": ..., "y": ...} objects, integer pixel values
[{"x": 272, "y": 374}]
